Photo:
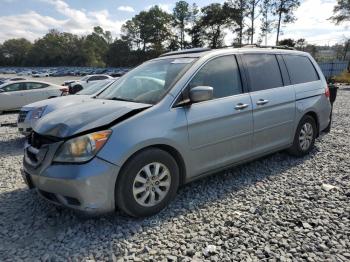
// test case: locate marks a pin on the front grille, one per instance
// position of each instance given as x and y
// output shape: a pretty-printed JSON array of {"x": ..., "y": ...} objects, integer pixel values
[
  {"x": 22, "y": 116},
  {"x": 36, "y": 140}
]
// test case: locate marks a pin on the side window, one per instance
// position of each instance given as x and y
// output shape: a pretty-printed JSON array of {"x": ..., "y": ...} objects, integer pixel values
[
  {"x": 94, "y": 78},
  {"x": 263, "y": 71},
  {"x": 222, "y": 74},
  {"x": 102, "y": 77},
  {"x": 13, "y": 87},
  {"x": 300, "y": 69},
  {"x": 31, "y": 86}
]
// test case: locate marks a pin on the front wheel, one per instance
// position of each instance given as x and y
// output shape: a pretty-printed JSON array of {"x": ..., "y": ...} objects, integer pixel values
[
  {"x": 304, "y": 138},
  {"x": 147, "y": 183}
]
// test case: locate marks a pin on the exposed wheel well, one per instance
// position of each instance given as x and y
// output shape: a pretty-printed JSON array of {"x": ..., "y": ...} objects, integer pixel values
[
  {"x": 174, "y": 153},
  {"x": 314, "y": 116}
]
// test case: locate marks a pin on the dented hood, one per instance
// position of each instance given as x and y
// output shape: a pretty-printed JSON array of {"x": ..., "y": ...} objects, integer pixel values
[{"x": 76, "y": 119}]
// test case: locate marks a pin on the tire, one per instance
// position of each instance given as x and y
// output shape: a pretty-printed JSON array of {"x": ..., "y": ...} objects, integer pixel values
[
  {"x": 299, "y": 148},
  {"x": 129, "y": 182}
]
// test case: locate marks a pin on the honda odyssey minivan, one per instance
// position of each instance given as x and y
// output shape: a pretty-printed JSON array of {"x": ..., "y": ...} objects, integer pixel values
[{"x": 175, "y": 119}]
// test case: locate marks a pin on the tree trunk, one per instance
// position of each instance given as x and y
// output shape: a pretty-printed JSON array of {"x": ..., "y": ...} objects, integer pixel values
[
  {"x": 241, "y": 23},
  {"x": 252, "y": 25},
  {"x": 279, "y": 22},
  {"x": 266, "y": 25}
]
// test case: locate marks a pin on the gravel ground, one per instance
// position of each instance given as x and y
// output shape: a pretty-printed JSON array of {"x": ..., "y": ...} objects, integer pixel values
[{"x": 276, "y": 208}]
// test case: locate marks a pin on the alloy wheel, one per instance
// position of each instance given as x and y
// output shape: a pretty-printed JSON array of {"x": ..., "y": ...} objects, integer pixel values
[
  {"x": 306, "y": 136},
  {"x": 151, "y": 184}
]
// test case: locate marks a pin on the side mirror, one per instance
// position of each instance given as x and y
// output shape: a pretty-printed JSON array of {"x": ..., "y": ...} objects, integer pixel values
[{"x": 201, "y": 93}]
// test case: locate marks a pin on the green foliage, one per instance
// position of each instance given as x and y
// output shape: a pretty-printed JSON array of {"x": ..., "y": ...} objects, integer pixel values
[
  {"x": 150, "y": 33},
  {"x": 14, "y": 51},
  {"x": 341, "y": 11},
  {"x": 215, "y": 18},
  {"x": 149, "y": 30},
  {"x": 182, "y": 15},
  {"x": 284, "y": 10},
  {"x": 287, "y": 42}
]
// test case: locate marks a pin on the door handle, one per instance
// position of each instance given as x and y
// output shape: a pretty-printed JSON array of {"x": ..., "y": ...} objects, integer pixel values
[
  {"x": 240, "y": 106},
  {"x": 262, "y": 102}
]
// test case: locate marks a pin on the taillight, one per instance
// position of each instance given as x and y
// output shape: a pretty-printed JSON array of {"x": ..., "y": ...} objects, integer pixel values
[
  {"x": 64, "y": 90},
  {"x": 326, "y": 92}
]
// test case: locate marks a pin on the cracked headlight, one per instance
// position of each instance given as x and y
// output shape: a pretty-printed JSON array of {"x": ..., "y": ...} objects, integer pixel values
[{"x": 82, "y": 148}]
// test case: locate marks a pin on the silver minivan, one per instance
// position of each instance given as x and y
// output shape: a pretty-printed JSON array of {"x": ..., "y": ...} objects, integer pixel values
[{"x": 172, "y": 120}]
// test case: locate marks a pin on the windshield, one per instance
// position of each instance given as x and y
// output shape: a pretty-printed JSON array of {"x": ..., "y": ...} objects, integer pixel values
[
  {"x": 149, "y": 82},
  {"x": 94, "y": 88}
]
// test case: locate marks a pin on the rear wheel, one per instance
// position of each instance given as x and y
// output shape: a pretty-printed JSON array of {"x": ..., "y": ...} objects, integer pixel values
[
  {"x": 147, "y": 183},
  {"x": 304, "y": 138}
]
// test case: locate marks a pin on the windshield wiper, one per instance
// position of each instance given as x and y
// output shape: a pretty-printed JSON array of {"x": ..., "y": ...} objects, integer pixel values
[{"x": 122, "y": 99}]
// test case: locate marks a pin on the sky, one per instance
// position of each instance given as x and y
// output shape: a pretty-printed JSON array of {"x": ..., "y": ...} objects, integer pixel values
[{"x": 31, "y": 19}]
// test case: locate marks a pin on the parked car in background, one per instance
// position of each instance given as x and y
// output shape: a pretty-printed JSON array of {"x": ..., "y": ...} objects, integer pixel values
[
  {"x": 84, "y": 82},
  {"x": 41, "y": 74},
  {"x": 7, "y": 80},
  {"x": 31, "y": 113},
  {"x": 25, "y": 73},
  {"x": 14, "y": 95},
  {"x": 175, "y": 119}
]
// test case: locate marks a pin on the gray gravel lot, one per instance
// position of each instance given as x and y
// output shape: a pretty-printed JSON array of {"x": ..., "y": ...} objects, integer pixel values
[{"x": 279, "y": 208}]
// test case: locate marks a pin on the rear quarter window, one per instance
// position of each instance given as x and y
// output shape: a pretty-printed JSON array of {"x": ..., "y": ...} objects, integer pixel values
[{"x": 300, "y": 69}]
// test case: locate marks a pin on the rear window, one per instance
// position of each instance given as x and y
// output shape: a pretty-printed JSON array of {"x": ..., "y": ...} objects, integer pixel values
[
  {"x": 300, "y": 69},
  {"x": 263, "y": 71}
]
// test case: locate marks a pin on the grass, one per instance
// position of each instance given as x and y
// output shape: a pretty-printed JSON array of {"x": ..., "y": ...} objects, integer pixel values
[{"x": 343, "y": 78}]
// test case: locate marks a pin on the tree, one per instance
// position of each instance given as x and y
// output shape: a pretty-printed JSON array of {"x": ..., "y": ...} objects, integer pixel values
[
  {"x": 341, "y": 12},
  {"x": 253, "y": 14},
  {"x": 266, "y": 21},
  {"x": 215, "y": 18},
  {"x": 119, "y": 53},
  {"x": 195, "y": 31},
  {"x": 284, "y": 10},
  {"x": 149, "y": 29},
  {"x": 287, "y": 42},
  {"x": 14, "y": 51},
  {"x": 182, "y": 15},
  {"x": 240, "y": 7},
  {"x": 300, "y": 44}
]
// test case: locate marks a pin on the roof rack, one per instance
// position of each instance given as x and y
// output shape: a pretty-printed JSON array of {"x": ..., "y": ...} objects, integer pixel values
[
  {"x": 271, "y": 46},
  {"x": 186, "y": 51}
]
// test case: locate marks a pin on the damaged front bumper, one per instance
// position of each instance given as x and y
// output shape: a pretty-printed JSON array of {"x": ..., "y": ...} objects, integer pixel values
[{"x": 88, "y": 187}]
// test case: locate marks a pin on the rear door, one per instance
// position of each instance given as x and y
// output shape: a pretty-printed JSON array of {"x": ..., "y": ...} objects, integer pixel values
[
  {"x": 273, "y": 100},
  {"x": 220, "y": 130},
  {"x": 35, "y": 92},
  {"x": 12, "y": 97}
]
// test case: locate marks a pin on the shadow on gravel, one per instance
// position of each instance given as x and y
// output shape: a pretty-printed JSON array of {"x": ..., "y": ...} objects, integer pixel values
[
  {"x": 12, "y": 147},
  {"x": 27, "y": 221}
]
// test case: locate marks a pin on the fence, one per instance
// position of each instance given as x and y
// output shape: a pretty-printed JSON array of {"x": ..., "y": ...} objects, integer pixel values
[{"x": 334, "y": 68}]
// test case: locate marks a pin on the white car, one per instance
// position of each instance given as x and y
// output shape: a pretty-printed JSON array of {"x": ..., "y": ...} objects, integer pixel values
[
  {"x": 29, "y": 114},
  {"x": 41, "y": 74},
  {"x": 77, "y": 85},
  {"x": 14, "y": 95}
]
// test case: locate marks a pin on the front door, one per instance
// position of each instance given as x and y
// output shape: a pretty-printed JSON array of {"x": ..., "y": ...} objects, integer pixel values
[
  {"x": 219, "y": 130},
  {"x": 12, "y": 97},
  {"x": 35, "y": 92}
]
